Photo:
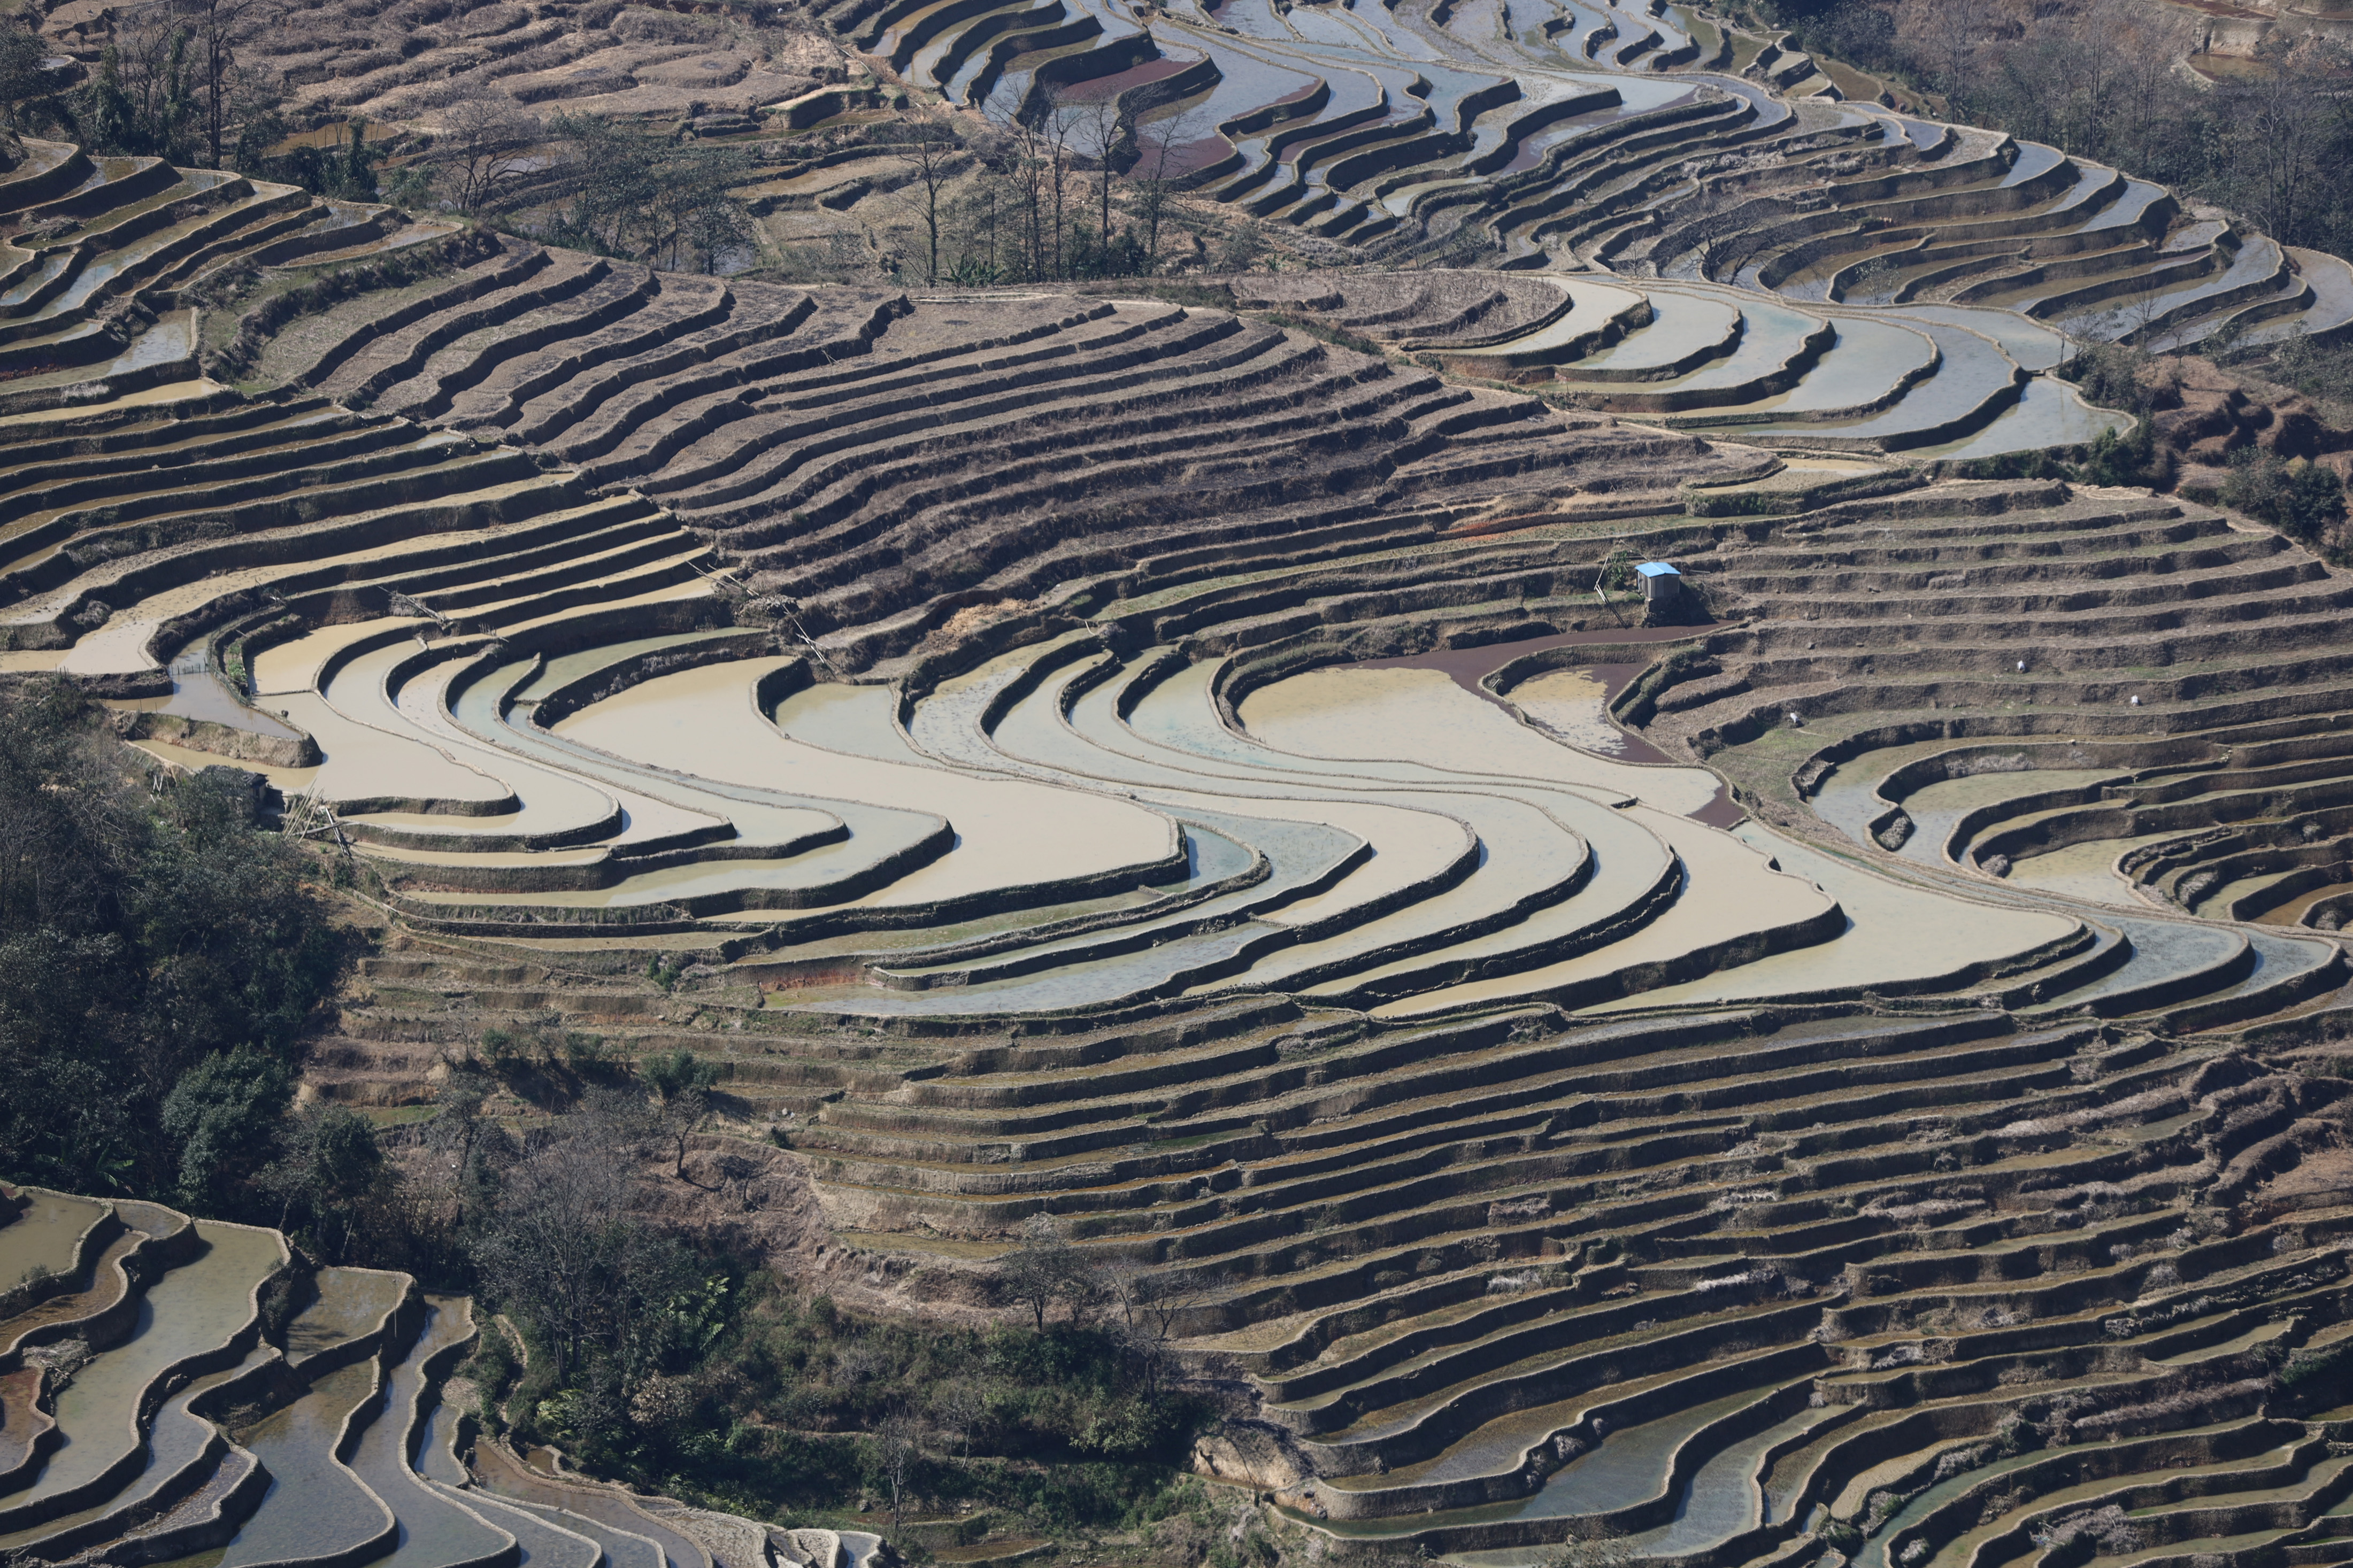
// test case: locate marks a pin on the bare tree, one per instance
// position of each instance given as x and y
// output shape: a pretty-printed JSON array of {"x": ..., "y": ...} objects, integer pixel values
[
  {"x": 1045, "y": 1269},
  {"x": 900, "y": 1444},
  {"x": 482, "y": 144},
  {"x": 1129, "y": 1284},
  {"x": 1025, "y": 165},
  {"x": 460, "y": 1131},
  {"x": 565, "y": 1243},
  {"x": 557, "y": 1234},
  {"x": 2285, "y": 119},
  {"x": 1099, "y": 126},
  {"x": 682, "y": 1086},
  {"x": 2140, "y": 310},
  {"x": 1152, "y": 1302},
  {"x": 216, "y": 31},
  {"x": 958, "y": 1409},
  {"x": 1949, "y": 32},
  {"x": 1059, "y": 141},
  {"x": 931, "y": 154},
  {"x": 146, "y": 63},
  {"x": 2152, "y": 40},
  {"x": 1159, "y": 143},
  {"x": 1166, "y": 1299}
]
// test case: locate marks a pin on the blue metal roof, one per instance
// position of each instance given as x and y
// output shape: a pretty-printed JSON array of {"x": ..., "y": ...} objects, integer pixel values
[{"x": 1657, "y": 569}]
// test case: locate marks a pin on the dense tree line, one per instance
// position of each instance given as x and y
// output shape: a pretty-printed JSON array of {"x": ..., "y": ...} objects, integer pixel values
[
  {"x": 659, "y": 200},
  {"x": 176, "y": 81},
  {"x": 2105, "y": 79},
  {"x": 1073, "y": 188},
  {"x": 159, "y": 957}
]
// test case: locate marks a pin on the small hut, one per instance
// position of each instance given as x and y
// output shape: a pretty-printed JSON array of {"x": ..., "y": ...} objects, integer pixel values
[{"x": 1662, "y": 583}]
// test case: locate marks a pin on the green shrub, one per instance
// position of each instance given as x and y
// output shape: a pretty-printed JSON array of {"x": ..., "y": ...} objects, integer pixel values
[
  {"x": 502, "y": 1050},
  {"x": 224, "y": 1115},
  {"x": 2035, "y": 465},
  {"x": 146, "y": 928},
  {"x": 492, "y": 1369},
  {"x": 2128, "y": 459},
  {"x": 2301, "y": 499},
  {"x": 2314, "y": 1366},
  {"x": 2112, "y": 376}
]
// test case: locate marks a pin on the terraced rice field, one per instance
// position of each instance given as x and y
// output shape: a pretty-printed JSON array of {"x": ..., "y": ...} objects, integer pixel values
[
  {"x": 166, "y": 1425},
  {"x": 1842, "y": 1063},
  {"x": 1652, "y": 141}
]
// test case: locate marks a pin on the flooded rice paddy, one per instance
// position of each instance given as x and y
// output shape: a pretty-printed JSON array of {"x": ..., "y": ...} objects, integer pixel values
[
  {"x": 44, "y": 1239},
  {"x": 196, "y": 1309}
]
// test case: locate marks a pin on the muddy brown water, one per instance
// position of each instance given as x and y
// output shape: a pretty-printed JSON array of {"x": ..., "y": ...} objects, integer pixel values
[
  {"x": 1586, "y": 730},
  {"x": 201, "y": 695},
  {"x": 1418, "y": 716},
  {"x": 45, "y": 1236}
]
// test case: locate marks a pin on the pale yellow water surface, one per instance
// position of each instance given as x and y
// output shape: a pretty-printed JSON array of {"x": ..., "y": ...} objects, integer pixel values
[
  {"x": 294, "y": 666},
  {"x": 1407, "y": 846},
  {"x": 1423, "y": 716},
  {"x": 2085, "y": 871},
  {"x": 1008, "y": 831},
  {"x": 1573, "y": 704},
  {"x": 288, "y": 780},
  {"x": 423, "y": 701},
  {"x": 1900, "y": 932},
  {"x": 1730, "y": 890},
  {"x": 363, "y": 763}
]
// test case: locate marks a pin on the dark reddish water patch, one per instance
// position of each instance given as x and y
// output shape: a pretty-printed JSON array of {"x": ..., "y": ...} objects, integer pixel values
[
  {"x": 1187, "y": 156},
  {"x": 1104, "y": 87},
  {"x": 1723, "y": 811}
]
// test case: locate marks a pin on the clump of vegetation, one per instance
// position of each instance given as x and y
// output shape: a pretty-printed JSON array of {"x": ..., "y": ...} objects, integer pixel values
[
  {"x": 677, "y": 1367},
  {"x": 2321, "y": 372},
  {"x": 2298, "y": 497},
  {"x": 2118, "y": 375},
  {"x": 807, "y": 1404},
  {"x": 649, "y": 198},
  {"x": 2132, "y": 457},
  {"x": 2314, "y": 1368},
  {"x": 159, "y": 957},
  {"x": 2114, "y": 375},
  {"x": 2037, "y": 464}
]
